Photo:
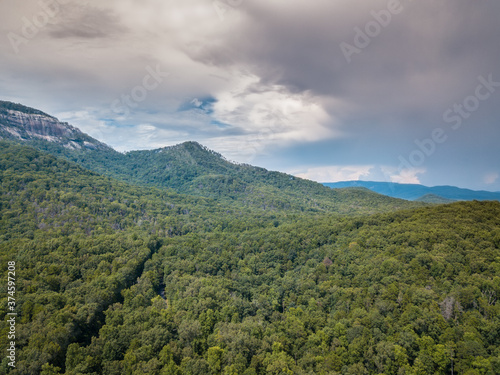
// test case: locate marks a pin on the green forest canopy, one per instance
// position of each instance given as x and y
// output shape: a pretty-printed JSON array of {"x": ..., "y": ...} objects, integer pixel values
[{"x": 121, "y": 279}]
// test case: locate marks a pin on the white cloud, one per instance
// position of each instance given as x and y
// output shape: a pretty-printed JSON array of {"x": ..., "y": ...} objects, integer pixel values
[
  {"x": 491, "y": 178},
  {"x": 404, "y": 176},
  {"x": 334, "y": 173},
  {"x": 147, "y": 136},
  {"x": 87, "y": 122},
  {"x": 122, "y": 137},
  {"x": 266, "y": 116}
]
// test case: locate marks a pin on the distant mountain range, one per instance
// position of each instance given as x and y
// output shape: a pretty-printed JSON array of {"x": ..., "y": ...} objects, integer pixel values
[
  {"x": 191, "y": 168},
  {"x": 415, "y": 192},
  {"x": 187, "y": 168}
]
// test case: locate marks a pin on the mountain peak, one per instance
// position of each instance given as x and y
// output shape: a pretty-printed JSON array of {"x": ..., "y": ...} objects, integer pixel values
[
  {"x": 21, "y": 123},
  {"x": 194, "y": 150},
  {"x": 197, "y": 147}
]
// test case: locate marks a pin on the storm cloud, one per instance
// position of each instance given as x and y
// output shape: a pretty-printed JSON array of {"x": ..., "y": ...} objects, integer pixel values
[{"x": 327, "y": 90}]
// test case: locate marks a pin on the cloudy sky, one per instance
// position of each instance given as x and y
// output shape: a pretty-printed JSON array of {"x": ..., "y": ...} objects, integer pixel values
[{"x": 398, "y": 90}]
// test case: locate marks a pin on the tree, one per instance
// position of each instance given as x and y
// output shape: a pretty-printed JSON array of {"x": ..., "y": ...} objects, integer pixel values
[
  {"x": 279, "y": 363},
  {"x": 214, "y": 359},
  {"x": 48, "y": 369}
]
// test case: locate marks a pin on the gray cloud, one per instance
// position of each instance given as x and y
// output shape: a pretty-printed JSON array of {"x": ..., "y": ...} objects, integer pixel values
[
  {"x": 278, "y": 77},
  {"x": 87, "y": 22}
]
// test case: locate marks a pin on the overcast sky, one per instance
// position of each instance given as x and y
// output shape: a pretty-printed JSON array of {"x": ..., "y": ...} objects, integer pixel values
[{"x": 330, "y": 90}]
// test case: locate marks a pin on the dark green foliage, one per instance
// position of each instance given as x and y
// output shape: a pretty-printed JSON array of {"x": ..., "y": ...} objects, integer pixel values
[
  {"x": 433, "y": 198},
  {"x": 122, "y": 279},
  {"x": 79, "y": 240},
  {"x": 190, "y": 168},
  {"x": 40, "y": 192},
  {"x": 411, "y": 292}
]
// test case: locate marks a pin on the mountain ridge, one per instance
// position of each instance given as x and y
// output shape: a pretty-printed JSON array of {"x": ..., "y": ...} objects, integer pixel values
[
  {"x": 191, "y": 168},
  {"x": 415, "y": 191}
]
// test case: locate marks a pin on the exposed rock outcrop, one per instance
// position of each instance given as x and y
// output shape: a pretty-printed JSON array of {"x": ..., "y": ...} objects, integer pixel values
[{"x": 22, "y": 123}]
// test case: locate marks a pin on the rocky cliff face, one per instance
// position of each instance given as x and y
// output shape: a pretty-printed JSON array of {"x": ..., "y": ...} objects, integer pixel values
[{"x": 25, "y": 124}]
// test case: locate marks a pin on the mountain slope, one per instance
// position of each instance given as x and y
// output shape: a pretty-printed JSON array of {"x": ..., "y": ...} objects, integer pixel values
[
  {"x": 78, "y": 240},
  {"x": 192, "y": 168},
  {"x": 113, "y": 278},
  {"x": 39, "y": 191},
  {"x": 432, "y": 198},
  {"x": 188, "y": 168},
  {"x": 415, "y": 191}
]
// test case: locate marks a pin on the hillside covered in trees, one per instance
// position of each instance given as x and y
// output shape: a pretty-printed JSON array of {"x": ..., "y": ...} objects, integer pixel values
[
  {"x": 119, "y": 278},
  {"x": 188, "y": 168}
]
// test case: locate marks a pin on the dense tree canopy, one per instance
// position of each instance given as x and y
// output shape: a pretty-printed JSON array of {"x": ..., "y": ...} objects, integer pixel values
[
  {"x": 125, "y": 279},
  {"x": 191, "y": 168}
]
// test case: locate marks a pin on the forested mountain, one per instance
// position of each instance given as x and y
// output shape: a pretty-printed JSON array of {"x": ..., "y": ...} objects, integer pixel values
[
  {"x": 193, "y": 169},
  {"x": 78, "y": 240},
  {"x": 188, "y": 168},
  {"x": 432, "y": 198},
  {"x": 113, "y": 278},
  {"x": 417, "y": 192},
  {"x": 266, "y": 274}
]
